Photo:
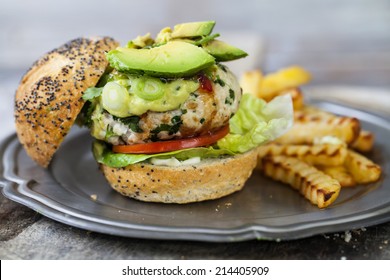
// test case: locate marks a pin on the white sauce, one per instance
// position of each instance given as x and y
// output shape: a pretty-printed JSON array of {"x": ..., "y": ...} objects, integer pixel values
[{"x": 174, "y": 162}]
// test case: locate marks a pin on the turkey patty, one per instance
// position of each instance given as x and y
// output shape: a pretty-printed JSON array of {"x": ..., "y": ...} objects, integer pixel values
[{"x": 202, "y": 112}]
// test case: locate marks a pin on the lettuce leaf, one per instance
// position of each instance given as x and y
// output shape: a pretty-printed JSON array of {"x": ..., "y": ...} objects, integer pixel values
[
  {"x": 105, "y": 156},
  {"x": 255, "y": 123}
]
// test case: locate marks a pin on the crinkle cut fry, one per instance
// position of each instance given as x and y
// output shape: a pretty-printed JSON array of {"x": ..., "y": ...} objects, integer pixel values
[
  {"x": 363, "y": 170},
  {"x": 364, "y": 141},
  {"x": 321, "y": 154},
  {"x": 319, "y": 188},
  {"x": 308, "y": 126},
  {"x": 340, "y": 173}
]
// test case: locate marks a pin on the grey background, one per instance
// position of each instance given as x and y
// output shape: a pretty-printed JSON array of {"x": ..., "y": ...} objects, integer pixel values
[{"x": 340, "y": 41}]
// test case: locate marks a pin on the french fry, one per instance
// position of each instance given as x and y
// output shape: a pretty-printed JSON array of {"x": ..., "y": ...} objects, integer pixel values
[
  {"x": 364, "y": 142},
  {"x": 340, "y": 173},
  {"x": 322, "y": 154},
  {"x": 251, "y": 82},
  {"x": 319, "y": 188},
  {"x": 296, "y": 96},
  {"x": 315, "y": 111},
  {"x": 362, "y": 169},
  {"x": 302, "y": 157},
  {"x": 308, "y": 126},
  {"x": 283, "y": 79}
]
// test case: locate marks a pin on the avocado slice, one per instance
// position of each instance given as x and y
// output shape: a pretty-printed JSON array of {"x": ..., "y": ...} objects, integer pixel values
[
  {"x": 223, "y": 51},
  {"x": 173, "y": 59},
  {"x": 193, "y": 29},
  {"x": 140, "y": 42}
]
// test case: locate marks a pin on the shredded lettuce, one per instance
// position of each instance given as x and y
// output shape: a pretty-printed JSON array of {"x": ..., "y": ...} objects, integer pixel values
[{"x": 255, "y": 123}]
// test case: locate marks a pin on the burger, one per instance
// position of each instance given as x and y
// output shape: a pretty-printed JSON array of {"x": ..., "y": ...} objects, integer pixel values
[{"x": 170, "y": 121}]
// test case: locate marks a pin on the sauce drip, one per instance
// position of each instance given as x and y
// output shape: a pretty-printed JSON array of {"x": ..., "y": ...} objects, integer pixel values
[{"x": 206, "y": 85}]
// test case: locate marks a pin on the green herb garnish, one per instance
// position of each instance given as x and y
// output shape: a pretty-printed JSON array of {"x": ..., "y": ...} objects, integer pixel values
[{"x": 92, "y": 93}]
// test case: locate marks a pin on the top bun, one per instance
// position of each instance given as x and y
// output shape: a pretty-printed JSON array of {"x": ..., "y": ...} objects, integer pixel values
[{"x": 49, "y": 96}]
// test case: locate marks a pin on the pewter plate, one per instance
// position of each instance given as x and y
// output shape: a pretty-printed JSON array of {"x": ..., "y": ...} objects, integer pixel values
[{"x": 264, "y": 209}]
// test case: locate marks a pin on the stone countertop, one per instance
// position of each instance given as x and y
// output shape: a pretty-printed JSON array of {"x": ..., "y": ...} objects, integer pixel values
[{"x": 26, "y": 234}]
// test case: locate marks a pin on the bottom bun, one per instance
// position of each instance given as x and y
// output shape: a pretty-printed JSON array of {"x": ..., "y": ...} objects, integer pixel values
[{"x": 209, "y": 179}]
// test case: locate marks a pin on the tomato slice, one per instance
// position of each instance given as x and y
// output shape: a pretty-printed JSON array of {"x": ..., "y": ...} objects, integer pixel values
[{"x": 172, "y": 145}]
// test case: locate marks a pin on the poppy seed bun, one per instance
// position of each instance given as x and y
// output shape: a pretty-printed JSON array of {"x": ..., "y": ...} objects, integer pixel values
[
  {"x": 209, "y": 179},
  {"x": 49, "y": 96}
]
